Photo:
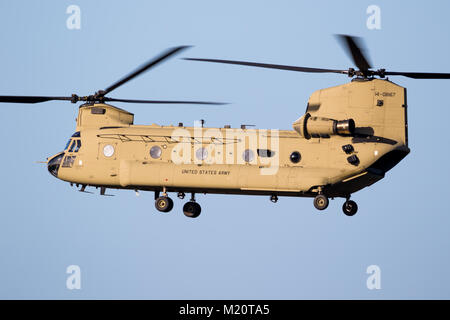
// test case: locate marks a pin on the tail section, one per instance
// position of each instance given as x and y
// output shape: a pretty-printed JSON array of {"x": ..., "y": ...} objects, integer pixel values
[{"x": 377, "y": 107}]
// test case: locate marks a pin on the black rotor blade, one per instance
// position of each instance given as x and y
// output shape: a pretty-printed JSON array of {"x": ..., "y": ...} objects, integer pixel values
[
  {"x": 30, "y": 99},
  {"x": 145, "y": 67},
  {"x": 164, "y": 101},
  {"x": 353, "y": 45},
  {"x": 271, "y": 66},
  {"x": 419, "y": 75}
]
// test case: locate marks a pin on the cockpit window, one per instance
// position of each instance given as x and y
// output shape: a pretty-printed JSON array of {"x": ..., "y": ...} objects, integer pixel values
[
  {"x": 72, "y": 146},
  {"x": 75, "y": 135},
  {"x": 75, "y": 146},
  {"x": 68, "y": 161},
  {"x": 67, "y": 145},
  {"x": 78, "y": 145}
]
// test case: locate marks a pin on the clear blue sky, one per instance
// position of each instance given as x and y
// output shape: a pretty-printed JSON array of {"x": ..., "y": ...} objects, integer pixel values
[{"x": 240, "y": 247}]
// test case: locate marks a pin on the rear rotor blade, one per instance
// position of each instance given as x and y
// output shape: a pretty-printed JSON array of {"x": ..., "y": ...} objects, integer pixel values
[
  {"x": 145, "y": 67},
  {"x": 419, "y": 75},
  {"x": 30, "y": 99},
  {"x": 353, "y": 46},
  {"x": 164, "y": 101},
  {"x": 271, "y": 66}
]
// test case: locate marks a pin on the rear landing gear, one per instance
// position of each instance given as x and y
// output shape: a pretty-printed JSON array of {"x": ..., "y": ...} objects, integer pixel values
[
  {"x": 350, "y": 208},
  {"x": 321, "y": 202}
]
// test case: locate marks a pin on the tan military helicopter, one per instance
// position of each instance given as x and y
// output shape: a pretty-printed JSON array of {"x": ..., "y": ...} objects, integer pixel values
[{"x": 348, "y": 138}]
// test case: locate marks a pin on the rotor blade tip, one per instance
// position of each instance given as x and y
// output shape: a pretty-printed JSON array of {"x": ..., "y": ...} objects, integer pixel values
[{"x": 183, "y": 47}]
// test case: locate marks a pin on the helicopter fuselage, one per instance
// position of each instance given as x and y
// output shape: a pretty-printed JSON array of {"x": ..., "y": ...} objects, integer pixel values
[{"x": 109, "y": 151}]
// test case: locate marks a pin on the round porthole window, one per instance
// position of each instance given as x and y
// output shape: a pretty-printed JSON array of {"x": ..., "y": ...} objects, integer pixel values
[
  {"x": 248, "y": 155},
  {"x": 201, "y": 154},
  {"x": 155, "y": 152},
  {"x": 108, "y": 150},
  {"x": 295, "y": 157}
]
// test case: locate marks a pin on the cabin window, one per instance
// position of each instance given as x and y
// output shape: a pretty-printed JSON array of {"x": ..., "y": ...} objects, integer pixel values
[
  {"x": 201, "y": 154},
  {"x": 265, "y": 153},
  {"x": 155, "y": 152},
  {"x": 295, "y": 157},
  {"x": 108, "y": 150},
  {"x": 248, "y": 155}
]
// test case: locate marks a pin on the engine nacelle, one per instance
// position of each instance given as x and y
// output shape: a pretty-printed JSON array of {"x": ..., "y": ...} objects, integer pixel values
[{"x": 316, "y": 127}]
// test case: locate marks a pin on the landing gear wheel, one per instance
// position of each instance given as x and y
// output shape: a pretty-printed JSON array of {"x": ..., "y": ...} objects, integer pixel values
[
  {"x": 164, "y": 204},
  {"x": 321, "y": 202},
  {"x": 350, "y": 208},
  {"x": 192, "y": 209}
]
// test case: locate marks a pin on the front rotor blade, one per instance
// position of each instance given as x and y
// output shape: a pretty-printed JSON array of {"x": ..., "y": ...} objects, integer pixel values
[
  {"x": 353, "y": 46},
  {"x": 270, "y": 66},
  {"x": 30, "y": 99},
  {"x": 164, "y": 101},
  {"x": 419, "y": 75},
  {"x": 145, "y": 67}
]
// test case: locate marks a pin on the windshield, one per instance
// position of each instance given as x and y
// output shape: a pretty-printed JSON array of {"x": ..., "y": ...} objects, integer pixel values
[
  {"x": 67, "y": 145},
  {"x": 77, "y": 145}
]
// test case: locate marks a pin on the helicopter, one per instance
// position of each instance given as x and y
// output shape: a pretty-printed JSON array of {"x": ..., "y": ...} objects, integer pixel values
[{"x": 349, "y": 137}]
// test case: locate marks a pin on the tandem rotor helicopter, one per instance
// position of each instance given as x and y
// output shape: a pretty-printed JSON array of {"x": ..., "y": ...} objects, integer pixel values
[{"x": 348, "y": 138}]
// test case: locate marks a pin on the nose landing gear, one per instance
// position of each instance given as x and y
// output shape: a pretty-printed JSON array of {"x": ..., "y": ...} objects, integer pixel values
[
  {"x": 321, "y": 202},
  {"x": 163, "y": 203},
  {"x": 191, "y": 208}
]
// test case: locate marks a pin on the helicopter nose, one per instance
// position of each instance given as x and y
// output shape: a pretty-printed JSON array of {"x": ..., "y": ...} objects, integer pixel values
[{"x": 54, "y": 163}]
